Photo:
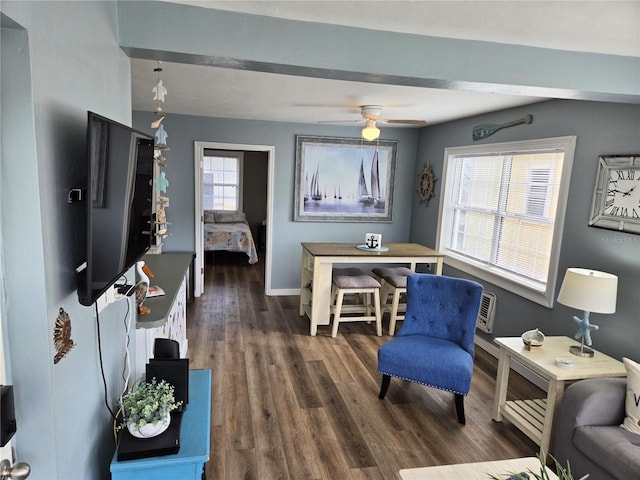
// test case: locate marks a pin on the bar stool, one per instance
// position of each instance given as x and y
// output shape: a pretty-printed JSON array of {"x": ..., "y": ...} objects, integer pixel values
[
  {"x": 393, "y": 281},
  {"x": 347, "y": 281}
]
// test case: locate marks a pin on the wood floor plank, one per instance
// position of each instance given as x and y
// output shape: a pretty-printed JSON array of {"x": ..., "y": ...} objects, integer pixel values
[
  {"x": 351, "y": 442},
  {"x": 299, "y": 446},
  {"x": 289, "y": 406}
]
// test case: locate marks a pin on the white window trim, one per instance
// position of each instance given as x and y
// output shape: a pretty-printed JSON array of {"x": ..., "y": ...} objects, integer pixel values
[
  {"x": 531, "y": 291},
  {"x": 240, "y": 156}
]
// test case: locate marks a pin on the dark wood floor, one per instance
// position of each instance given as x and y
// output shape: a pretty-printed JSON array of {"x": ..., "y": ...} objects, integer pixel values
[{"x": 286, "y": 405}]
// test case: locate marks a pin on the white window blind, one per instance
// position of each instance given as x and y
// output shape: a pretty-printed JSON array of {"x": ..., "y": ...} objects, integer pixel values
[
  {"x": 499, "y": 213},
  {"x": 221, "y": 181}
]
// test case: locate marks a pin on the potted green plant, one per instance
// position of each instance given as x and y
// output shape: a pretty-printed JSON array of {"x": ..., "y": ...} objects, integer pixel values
[
  {"x": 147, "y": 407},
  {"x": 562, "y": 472}
]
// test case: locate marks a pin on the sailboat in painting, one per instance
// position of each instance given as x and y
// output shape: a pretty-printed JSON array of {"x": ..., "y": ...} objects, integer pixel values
[
  {"x": 376, "y": 192},
  {"x": 376, "y": 196},
  {"x": 315, "y": 187},
  {"x": 363, "y": 192}
]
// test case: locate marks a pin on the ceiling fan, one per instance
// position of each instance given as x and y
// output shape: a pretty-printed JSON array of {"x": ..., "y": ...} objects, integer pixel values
[{"x": 370, "y": 117}]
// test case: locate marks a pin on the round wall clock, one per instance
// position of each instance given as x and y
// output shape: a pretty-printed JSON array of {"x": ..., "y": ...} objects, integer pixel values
[
  {"x": 426, "y": 184},
  {"x": 616, "y": 197}
]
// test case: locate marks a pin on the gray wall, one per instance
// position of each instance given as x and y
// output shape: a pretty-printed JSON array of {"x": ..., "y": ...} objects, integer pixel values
[
  {"x": 287, "y": 234},
  {"x": 601, "y": 128},
  {"x": 254, "y": 190},
  {"x": 52, "y": 73}
]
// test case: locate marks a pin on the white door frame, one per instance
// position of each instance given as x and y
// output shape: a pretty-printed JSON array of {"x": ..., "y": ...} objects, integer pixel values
[{"x": 199, "y": 147}]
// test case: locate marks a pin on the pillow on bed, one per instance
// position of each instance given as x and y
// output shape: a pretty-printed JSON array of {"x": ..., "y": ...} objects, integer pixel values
[
  {"x": 209, "y": 216},
  {"x": 230, "y": 217}
]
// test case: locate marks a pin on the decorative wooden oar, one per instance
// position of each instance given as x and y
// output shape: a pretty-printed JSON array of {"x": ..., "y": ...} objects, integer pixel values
[{"x": 488, "y": 129}]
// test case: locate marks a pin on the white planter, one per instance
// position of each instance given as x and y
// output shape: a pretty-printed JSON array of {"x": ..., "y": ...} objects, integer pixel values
[{"x": 150, "y": 430}]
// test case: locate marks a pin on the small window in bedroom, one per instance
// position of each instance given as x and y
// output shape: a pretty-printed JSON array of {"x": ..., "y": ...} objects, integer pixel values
[
  {"x": 222, "y": 180},
  {"x": 502, "y": 212}
]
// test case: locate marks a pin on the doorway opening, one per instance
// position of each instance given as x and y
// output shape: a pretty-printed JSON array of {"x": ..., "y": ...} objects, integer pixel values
[{"x": 261, "y": 227}]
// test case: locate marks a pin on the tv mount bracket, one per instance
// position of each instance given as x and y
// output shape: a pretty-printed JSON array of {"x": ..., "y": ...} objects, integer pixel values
[{"x": 75, "y": 195}]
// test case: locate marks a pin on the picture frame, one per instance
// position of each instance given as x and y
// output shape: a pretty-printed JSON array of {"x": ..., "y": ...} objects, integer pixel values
[
  {"x": 615, "y": 204},
  {"x": 344, "y": 179}
]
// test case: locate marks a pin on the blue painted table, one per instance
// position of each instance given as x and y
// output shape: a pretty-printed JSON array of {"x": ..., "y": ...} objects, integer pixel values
[{"x": 189, "y": 462}]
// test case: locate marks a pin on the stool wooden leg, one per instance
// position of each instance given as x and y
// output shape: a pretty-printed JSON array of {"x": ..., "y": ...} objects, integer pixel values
[
  {"x": 394, "y": 312},
  {"x": 378, "y": 311},
  {"x": 336, "y": 315},
  {"x": 366, "y": 303}
]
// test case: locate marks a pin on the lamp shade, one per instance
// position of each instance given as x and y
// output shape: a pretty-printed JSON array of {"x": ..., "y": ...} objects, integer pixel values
[{"x": 589, "y": 290}]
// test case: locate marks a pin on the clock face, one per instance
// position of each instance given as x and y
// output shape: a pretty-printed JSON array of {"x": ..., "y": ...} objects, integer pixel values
[{"x": 623, "y": 193}]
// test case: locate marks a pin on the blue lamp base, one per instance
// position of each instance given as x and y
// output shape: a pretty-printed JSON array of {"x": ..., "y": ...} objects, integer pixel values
[{"x": 584, "y": 334}]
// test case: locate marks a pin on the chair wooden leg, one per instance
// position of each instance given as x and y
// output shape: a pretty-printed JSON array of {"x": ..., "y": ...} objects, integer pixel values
[
  {"x": 386, "y": 380},
  {"x": 460, "y": 408}
]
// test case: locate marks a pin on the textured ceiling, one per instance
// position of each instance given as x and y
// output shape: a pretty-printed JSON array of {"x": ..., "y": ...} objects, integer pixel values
[{"x": 609, "y": 27}]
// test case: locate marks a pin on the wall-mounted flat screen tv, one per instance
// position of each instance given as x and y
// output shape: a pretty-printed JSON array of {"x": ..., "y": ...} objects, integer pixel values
[{"x": 118, "y": 198}]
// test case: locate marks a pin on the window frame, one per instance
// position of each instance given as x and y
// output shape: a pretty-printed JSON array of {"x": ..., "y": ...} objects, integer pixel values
[
  {"x": 529, "y": 290},
  {"x": 239, "y": 155}
]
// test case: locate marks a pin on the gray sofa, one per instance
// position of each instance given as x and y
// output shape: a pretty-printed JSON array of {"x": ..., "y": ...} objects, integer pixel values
[{"x": 588, "y": 432}]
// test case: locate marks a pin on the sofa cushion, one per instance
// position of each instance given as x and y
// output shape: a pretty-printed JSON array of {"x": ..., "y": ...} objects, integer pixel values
[
  {"x": 614, "y": 449},
  {"x": 632, "y": 399}
]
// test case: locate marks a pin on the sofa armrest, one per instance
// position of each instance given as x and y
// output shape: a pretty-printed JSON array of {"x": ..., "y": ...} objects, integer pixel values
[{"x": 595, "y": 401}]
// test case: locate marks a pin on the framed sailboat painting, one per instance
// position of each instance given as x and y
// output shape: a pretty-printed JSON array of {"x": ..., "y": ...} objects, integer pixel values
[{"x": 344, "y": 179}]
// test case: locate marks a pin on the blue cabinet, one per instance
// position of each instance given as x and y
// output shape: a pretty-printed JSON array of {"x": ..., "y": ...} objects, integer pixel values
[{"x": 188, "y": 463}]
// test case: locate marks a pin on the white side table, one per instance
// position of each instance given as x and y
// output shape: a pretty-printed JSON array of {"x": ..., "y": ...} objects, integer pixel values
[{"x": 534, "y": 417}]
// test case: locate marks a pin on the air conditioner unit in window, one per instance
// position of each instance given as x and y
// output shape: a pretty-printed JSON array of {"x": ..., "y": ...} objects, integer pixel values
[{"x": 487, "y": 311}]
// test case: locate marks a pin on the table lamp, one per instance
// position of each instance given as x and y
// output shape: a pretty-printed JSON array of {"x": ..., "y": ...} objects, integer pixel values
[{"x": 591, "y": 291}]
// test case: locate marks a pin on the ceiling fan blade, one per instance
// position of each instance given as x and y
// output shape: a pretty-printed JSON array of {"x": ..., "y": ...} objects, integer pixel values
[
  {"x": 342, "y": 121},
  {"x": 405, "y": 122}
]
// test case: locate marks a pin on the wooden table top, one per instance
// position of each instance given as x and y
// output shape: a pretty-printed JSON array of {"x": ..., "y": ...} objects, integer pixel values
[
  {"x": 351, "y": 250},
  {"x": 542, "y": 359}
]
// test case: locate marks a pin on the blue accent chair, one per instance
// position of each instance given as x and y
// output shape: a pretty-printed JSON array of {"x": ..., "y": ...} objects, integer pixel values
[{"x": 435, "y": 345}]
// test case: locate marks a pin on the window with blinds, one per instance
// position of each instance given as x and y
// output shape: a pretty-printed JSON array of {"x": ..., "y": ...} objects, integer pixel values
[
  {"x": 502, "y": 210},
  {"x": 222, "y": 180}
]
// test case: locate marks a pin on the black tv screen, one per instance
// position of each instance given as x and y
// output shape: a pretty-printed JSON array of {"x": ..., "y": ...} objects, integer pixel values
[{"x": 118, "y": 198}]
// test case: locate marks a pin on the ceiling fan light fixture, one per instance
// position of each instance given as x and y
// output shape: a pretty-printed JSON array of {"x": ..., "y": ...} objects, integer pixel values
[{"x": 370, "y": 132}]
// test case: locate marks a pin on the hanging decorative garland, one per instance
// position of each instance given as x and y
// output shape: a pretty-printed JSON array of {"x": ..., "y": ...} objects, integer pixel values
[{"x": 161, "y": 201}]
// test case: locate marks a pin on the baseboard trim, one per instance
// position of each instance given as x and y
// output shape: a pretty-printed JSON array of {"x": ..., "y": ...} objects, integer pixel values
[
  {"x": 516, "y": 366},
  {"x": 281, "y": 292}
]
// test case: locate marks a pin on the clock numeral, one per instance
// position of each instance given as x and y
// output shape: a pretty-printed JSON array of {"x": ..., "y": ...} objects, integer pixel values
[
  {"x": 608, "y": 203},
  {"x": 635, "y": 214},
  {"x": 631, "y": 174},
  {"x": 620, "y": 174},
  {"x": 614, "y": 211},
  {"x": 624, "y": 212}
]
